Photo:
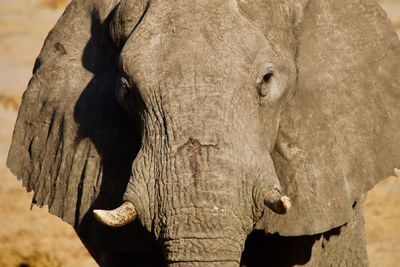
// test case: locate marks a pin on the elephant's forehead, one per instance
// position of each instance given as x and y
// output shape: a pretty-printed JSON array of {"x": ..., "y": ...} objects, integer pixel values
[{"x": 181, "y": 37}]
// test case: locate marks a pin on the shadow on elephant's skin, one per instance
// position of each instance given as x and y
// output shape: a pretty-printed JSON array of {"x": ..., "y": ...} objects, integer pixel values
[
  {"x": 117, "y": 140},
  {"x": 282, "y": 251}
]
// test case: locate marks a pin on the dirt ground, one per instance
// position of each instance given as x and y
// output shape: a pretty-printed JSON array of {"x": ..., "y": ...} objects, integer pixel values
[{"x": 38, "y": 239}]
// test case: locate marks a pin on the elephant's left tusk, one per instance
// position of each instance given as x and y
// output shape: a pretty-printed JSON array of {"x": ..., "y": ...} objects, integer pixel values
[
  {"x": 276, "y": 202},
  {"x": 118, "y": 217}
]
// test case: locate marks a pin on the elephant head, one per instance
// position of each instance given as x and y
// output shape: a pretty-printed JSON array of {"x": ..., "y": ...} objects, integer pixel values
[{"x": 207, "y": 119}]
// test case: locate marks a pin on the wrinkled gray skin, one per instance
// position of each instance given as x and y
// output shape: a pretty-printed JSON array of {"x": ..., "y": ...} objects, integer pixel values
[{"x": 222, "y": 102}]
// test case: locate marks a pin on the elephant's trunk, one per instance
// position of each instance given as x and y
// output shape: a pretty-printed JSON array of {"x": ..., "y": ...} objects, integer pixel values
[
  {"x": 203, "y": 252},
  {"x": 205, "y": 264}
]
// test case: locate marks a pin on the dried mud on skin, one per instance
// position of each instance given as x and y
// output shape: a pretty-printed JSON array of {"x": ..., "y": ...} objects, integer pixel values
[{"x": 38, "y": 239}]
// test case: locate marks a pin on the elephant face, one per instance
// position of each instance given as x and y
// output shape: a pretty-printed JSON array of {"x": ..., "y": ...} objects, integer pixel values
[{"x": 202, "y": 116}]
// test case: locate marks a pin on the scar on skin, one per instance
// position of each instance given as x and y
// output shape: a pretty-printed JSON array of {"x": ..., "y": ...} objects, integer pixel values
[{"x": 194, "y": 148}]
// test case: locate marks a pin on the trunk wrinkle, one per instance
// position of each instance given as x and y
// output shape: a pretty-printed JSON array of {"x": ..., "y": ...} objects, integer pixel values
[{"x": 203, "y": 250}]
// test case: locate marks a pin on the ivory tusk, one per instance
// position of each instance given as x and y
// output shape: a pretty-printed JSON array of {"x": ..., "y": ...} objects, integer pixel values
[
  {"x": 276, "y": 202},
  {"x": 118, "y": 217}
]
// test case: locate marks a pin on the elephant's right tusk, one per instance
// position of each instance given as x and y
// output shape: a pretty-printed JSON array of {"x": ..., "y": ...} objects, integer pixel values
[
  {"x": 118, "y": 217},
  {"x": 276, "y": 202}
]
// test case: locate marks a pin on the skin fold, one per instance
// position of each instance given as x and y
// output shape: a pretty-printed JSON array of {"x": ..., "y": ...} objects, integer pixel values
[{"x": 233, "y": 133}]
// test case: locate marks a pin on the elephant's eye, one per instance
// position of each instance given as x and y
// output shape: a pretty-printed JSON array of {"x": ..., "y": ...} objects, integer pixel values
[
  {"x": 126, "y": 94},
  {"x": 264, "y": 85},
  {"x": 267, "y": 77}
]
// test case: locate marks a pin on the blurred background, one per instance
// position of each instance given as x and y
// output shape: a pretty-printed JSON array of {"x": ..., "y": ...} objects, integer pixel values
[{"x": 36, "y": 238}]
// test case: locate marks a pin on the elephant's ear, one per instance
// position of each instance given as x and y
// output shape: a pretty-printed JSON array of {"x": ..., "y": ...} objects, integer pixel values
[
  {"x": 73, "y": 145},
  {"x": 340, "y": 132}
]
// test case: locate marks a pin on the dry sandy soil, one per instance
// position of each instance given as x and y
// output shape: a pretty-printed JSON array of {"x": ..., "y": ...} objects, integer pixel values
[{"x": 38, "y": 239}]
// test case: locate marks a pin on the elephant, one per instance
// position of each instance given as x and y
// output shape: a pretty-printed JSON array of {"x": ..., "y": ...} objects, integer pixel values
[{"x": 213, "y": 133}]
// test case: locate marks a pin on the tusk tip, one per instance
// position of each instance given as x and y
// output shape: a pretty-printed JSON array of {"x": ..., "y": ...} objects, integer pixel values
[
  {"x": 277, "y": 203},
  {"x": 118, "y": 217},
  {"x": 99, "y": 215},
  {"x": 105, "y": 217},
  {"x": 286, "y": 203}
]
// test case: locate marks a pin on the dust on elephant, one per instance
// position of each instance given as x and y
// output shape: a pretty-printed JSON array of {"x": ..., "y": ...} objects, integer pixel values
[{"x": 207, "y": 120}]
